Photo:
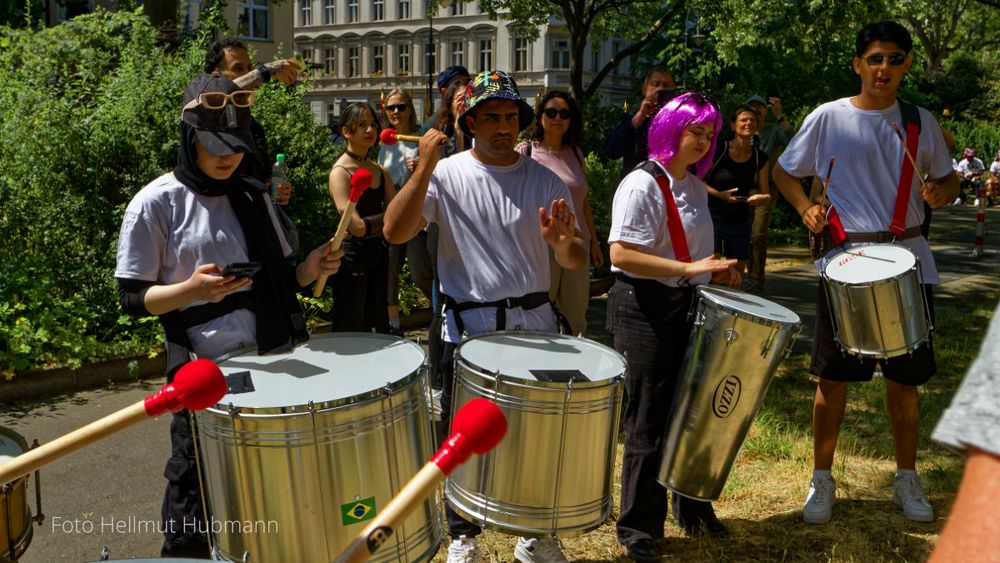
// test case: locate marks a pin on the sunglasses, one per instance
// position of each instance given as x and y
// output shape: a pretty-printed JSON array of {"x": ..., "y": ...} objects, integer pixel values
[
  {"x": 218, "y": 100},
  {"x": 895, "y": 59},
  {"x": 551, "y": 113},
  {"x": 396, "y": 107}
]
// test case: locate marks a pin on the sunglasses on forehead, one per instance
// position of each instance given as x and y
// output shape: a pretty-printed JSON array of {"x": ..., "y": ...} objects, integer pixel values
[
  {"x": 551, "y": 113},
  {"x": 895, "y": 59},
  {"x": 396, "y": 107},
  {"x": 218, "y": 100}
]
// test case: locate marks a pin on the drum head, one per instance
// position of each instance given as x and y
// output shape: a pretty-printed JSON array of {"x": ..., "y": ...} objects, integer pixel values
[
  {"x": 544, "y": 357},
  {"x": 11, "y": 445},
  {"x": 747, "y": 303},
  {"x": 870, "y": 263},
  {"x": 327, "y": 368}
]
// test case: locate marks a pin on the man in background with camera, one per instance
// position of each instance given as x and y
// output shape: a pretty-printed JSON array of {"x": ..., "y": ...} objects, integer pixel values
[{"x": 628, "y": 139}]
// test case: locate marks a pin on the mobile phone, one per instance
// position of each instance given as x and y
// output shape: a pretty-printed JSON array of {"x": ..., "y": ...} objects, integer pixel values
[{"x": 241, "y": 269}]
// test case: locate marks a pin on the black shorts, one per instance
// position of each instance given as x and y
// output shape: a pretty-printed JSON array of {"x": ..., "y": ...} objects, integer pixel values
[{"x": 832, "y": 363}]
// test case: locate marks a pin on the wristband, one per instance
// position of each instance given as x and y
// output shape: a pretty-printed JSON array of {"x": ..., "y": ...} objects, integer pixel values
[
  {"x": 803, "y": 214},
  {"x": 265, "y": 74},
  {"x": 368, "y": 227}
]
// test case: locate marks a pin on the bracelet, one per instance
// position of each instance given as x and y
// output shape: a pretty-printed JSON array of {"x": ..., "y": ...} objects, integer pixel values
[
  {"x": 265, "y": 74},
  {"x": 368, "y": 227},
  {"x": 803, "y": 214}
]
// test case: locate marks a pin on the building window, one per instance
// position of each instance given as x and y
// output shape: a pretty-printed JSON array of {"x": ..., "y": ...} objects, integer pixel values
[
  {"x": 378, "y": 60},
  {"x": 402, "y": 59},
  {"x": 616, "y": 47},
  {"x": 352, "y": 11},
  {"x": 353, "y": 69},
  {"x": 595, "y": 57},
  {"x": 378, "y": 10},
  {"x": 520, "y": 54},
  {"x": 457, "y": 53},
  {"x": 329, "y": 11},
  {"x": 331, "y": 114},
  {"x": 485, "y": 54},
  {"x": 457, "y": 8},
  {"x": 404, "y": 9},
  {"x": 305, "y": 12},
  {"x": 307, "y": 56},
  {"x": 254, "y": 19},
  {"x": 560, "y": 54},
  {"x": 330, "y": 61}
]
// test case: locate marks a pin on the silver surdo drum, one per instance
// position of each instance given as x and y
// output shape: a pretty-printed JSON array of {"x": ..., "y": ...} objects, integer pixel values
[
  {"x": 15, "y": 516},
  {"x": 877, "y": 305},
  {"x": 735, "y": 346},
  {"x": 310, "y": 444},
  {"x": 552, "y": 472}
]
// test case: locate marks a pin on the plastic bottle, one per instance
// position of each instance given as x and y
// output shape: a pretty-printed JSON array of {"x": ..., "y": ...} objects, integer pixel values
[{"x": 281, "y": 186}]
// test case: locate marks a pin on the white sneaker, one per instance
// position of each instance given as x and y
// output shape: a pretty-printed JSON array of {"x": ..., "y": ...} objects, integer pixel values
[
  {"x": 908, "y": 494},
  {"x": 464, "y": 550},
  {"x": 537, "y": 550},
  {"x": 819, "y": 503},
  {"x": 976, "y": 204}
]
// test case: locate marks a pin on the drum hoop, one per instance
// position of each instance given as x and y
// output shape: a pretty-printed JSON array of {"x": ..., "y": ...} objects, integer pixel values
[
  {"x": 915, "y": 266},
  {"x": 373, "y": 395},
  {"x": 766, "y": 321},
  {"x": 533, "y": 383},
  {"x": 18, "y": 439}
]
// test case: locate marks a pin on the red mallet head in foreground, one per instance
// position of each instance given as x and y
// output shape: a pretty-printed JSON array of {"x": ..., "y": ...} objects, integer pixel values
[
  {"x": 388, "y": 136},
  {"x": 198, "y": 385},
  {"x": 478, "y": 427},
  {"x": 361, "y": 180}
]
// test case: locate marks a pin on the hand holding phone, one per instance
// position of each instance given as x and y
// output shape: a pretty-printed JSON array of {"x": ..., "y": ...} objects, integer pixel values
[{"x": 241, "y": 269}]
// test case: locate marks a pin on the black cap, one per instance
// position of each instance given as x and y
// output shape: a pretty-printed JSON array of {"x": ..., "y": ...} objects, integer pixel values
[
  {"x": 451, "y": 73},
  {"x": 221, "y": 131}
]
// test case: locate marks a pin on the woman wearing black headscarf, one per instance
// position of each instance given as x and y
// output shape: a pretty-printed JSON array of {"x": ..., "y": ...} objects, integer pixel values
[{"x": 178, "y": 234}]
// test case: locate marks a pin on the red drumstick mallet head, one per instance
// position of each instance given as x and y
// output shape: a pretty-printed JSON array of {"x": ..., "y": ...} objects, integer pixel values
[
  {"x": 361, "y": 180},
  {"x": 388, "y": 136},
  {"x": 198, "y": 385},
  {"x": 477, "y": 427}
]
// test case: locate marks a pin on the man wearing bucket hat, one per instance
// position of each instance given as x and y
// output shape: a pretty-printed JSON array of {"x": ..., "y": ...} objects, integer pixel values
[
  {"x": 177, "y": 235},
  {"x": 498, "y": 214}
]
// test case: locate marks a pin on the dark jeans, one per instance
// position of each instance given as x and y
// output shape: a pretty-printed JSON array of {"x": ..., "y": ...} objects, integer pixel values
[
  {"x": 650, "y": 325},
  {"x": 457, "y": 526},
  {"x": 360, "y": 298},
  {"x": 182, "y": 511}
]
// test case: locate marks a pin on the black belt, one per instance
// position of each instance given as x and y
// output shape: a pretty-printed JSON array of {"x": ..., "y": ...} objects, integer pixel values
[
  {"x": 201, "y": 314},
  {"x": 883, "y": 236},
  {"x": 526, "y": 302},
  {"x": 650, "y": 283}
]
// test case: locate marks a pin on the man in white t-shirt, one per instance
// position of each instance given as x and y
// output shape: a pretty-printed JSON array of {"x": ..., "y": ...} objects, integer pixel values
[
  {"x": 863, "y": 187},
  {"x": 497, "y": 213},
  {"x": 969, "y": 170}
]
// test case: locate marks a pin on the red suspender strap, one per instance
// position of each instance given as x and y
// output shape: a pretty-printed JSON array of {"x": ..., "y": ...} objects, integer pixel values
[
  {"x": 674, "y": 225},
  {"x": 898, "y": 226}
]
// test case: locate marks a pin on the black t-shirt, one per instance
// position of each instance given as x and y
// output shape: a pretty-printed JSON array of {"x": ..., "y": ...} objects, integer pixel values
[{"x": 727, "y": 174}]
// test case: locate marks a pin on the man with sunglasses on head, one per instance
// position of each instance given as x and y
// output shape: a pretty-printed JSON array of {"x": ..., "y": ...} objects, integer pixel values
[
  {"x": 229, "y": 57},
  {"x": 872, "y": 174}
]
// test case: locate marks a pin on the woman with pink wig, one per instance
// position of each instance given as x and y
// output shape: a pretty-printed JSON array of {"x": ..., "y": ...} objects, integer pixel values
[{"x": 662, "y": 246}]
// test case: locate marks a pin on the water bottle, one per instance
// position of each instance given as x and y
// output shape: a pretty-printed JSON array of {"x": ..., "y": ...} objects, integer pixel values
[{"x": 281, "y": 186}]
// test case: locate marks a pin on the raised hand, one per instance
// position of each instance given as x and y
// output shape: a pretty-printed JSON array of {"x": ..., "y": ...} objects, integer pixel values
[{"x": 558, "y": 226}]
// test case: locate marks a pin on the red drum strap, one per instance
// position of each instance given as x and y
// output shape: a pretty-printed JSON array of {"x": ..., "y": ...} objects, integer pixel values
[{"x": 674, "y": 225}]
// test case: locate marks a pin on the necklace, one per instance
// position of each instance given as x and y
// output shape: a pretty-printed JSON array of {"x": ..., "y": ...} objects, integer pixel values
[{"x": 354, "y": 156}]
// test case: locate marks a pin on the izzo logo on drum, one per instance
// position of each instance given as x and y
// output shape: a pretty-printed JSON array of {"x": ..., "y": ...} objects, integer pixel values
[
  {"x": 357, "y": 511},
  {"x": 727, "y": 395}
]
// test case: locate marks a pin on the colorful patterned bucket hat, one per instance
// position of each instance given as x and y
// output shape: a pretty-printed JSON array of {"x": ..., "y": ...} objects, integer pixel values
[{"x": 494, "y": 85}]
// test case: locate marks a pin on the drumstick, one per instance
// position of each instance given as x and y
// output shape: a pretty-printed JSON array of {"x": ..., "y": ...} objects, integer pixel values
[
  {"x": 198, "y": 385},
  {"x": 391, "y": 137},
  {"x": 826, "y": 183},
  {"x": 906, "y": 149},
  {"x": 867, "y": 256},
  {"x": 361, "y": 180},
  {"x": 478, "y": 426}
]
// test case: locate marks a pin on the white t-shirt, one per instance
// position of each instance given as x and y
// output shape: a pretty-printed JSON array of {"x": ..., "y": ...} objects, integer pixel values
[
  {"x": 490, "y": 245},
  {"x": 639, "y": 216},
  {"x": 169, "y": 230},
  {"x": 970, "y": 166},
  {"x": 995, "y": 167},
  {"x": 865, "y": 177}
]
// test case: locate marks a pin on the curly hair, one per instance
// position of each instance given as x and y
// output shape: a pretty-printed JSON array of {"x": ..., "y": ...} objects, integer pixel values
[
  {"x": 217, "y": 51},
  {"x": 573, "y": 133},
  {"x": 674, "y": 117}
]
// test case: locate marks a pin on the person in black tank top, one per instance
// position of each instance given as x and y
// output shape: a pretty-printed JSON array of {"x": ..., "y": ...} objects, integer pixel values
[{"x": 360, "y": 289}]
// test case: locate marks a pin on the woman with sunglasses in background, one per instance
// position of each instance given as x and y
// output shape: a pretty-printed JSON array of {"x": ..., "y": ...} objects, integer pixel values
[
  {"x": 399, "y": 160},
  {"x": 178, "y": 235},
  {"x": 453, "y": 106},
  {"x": 553, "y": 141},
  {"x": 361, "y": 288},
  {"x": 661, "y": 247}
]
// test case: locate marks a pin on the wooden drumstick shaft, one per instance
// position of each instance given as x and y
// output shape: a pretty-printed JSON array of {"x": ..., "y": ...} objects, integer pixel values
[
  {"x": 381, "y": 528},
  {"x": 338, "y": 239},
  {"x": 43, "y": 455},
  {"x": 906, "y": 149}
]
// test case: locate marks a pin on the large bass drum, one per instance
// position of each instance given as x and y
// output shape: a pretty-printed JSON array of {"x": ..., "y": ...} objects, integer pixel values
[
  {"x": 737, "y": 342},
  {"x": 552, "y": 472},
  {"x": 15, "y": 516},
  {"x": 308, "y": 445}
]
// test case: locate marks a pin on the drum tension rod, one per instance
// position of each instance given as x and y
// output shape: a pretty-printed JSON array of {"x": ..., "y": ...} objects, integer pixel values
[{"x": 39, "y": 518}]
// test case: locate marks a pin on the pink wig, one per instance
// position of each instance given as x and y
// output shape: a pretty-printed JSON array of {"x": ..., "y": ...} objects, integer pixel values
[{"x": 673, "y": 118}]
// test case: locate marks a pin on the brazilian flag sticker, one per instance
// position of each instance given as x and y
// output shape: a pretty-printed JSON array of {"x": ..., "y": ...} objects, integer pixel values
[{"x": 357, "y": 511}]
